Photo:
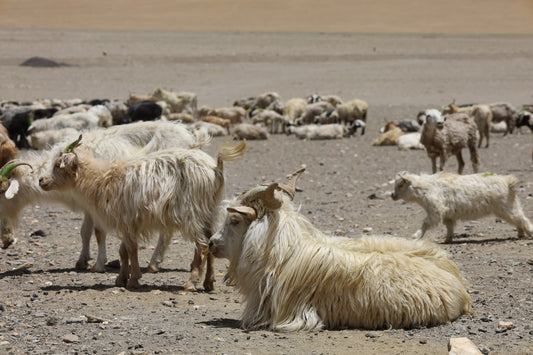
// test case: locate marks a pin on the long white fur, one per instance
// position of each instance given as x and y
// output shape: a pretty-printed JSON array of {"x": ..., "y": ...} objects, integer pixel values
[
  {"x": 448, "y": 197},
  {"x": 118, "y": 141},
  {"x": 168, "y": 191},
  {"x": 293, "y": 277}
]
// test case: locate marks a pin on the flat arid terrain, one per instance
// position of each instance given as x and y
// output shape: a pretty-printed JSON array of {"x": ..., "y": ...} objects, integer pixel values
[{"x": 49, "y": 307}]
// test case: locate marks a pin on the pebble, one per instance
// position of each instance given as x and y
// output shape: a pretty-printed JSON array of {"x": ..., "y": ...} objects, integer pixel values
[
  {"x": 70, "y": 338},
  {"x": 373, "y": 334},
  {"x": 504, "y": 326},
  {"x": 462, "y": 346},
  {"x": 367, "y": 229}
]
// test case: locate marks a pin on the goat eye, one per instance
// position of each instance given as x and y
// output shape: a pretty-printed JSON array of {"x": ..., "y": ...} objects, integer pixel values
[{"x": 234, "y": 220}]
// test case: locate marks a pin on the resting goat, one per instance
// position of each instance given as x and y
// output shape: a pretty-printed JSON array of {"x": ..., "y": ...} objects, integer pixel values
[
  {"x": 293, "y": 277},
  {"x": 168, "y": 191},
  {"x": 449, "y": 197}
]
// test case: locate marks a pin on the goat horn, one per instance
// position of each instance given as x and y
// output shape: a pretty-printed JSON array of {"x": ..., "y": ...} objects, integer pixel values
[
  {"x": 8, "y": 168},
  {"x": 269, "y": 198},
  {"x": 289, "y": 187},
  {"x": 73, "y": 145}
]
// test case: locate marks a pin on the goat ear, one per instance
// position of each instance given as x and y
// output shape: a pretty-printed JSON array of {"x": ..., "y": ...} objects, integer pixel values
[
  {"x": 248, "y": 212},
  {"x": 68, "y": 160},
  {"x": 12, "y": 189}
]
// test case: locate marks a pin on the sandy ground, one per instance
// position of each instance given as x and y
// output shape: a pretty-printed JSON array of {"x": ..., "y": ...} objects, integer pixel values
[{"x": 344, "y": 188}]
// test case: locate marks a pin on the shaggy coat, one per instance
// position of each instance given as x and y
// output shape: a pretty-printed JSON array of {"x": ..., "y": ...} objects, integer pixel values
[
  {"x": 482, "y": 116},
  {"x": 293, "y": 277},
  {"x": 168, "y": 191},
  {"x": 448, "y": 197},
  {"x": 448, "y": 135},
  {"x": 353, "y": 110},
  {"x": 118, "y": 141},
  {"x": 319, "y": 132},
  {"x": 293, "y": 109}
]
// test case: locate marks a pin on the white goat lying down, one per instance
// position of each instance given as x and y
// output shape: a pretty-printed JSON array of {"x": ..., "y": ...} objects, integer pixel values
[
  {"x": 118, "y": 141},
  {"x": 168, "y": 191},
  {"x": 293, "y": 277},
  {"x": 448, "y": 197}
]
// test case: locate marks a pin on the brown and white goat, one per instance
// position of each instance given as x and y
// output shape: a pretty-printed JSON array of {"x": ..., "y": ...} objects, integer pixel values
[{"x": 168, "y": 191}]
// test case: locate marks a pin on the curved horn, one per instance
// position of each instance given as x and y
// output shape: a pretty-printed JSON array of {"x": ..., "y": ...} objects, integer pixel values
[
  {"x": 269, "y": 198},
  {"x": 73, "y": 145},
  {"x": 289, "y": 187},
  {"x": 7, "y": 169}
]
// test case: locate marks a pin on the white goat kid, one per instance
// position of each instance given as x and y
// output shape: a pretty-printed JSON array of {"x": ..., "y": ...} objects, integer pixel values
[
  {"x": 293, "y": 277},
  {"x": 448, "y": 197},
  {"x": 168, "y": 191}
]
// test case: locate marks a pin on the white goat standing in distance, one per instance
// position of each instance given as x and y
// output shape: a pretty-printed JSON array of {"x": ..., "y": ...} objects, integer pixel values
[
  {"x": 293, "y": 277},
  {"x": 448, "y": 197},
  {"x": 118, "y": 141},
  {"x": 173, "y": 190}
]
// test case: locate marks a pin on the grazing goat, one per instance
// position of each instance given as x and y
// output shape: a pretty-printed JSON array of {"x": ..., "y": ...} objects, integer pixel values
[
  {"x": 482, "y": 116},
  {"x": 250, "y": 132},
  {"x": 409, "y": 141},
  {"x": 390, "y": 134},
  {"x": 352, "y": 110},
  {"x": 235, "y": 114},
  {"x": 504, "y": 111},
  {"x": 319, "y": 132},
  {"x": 8, "y": 150},
  {"x": 118, "y": 141},
  {"x": 293, "y": 277},
  {"x": 448, "y": 135},
  {"x": 293, "y": 109},
  {"x": 173, "y": 190},
  {"x": 448, "y": 197}
]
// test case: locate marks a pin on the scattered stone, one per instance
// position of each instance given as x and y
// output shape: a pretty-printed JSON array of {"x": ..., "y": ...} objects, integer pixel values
[
  {"x": 79, "y": 320},
  {"x": 504, "y": 326},
  {"x": 167, "y": 303},
  {"x": 38, "y": 233},
  {"x": 92, "y": 319},
  {"x": 52, "y": 321},
  {"x": 373, "y": 335},
  {"x": 25, "y": 266},
  {"x": 4, "y": 343},
  {"x": 367, "y": 229},
  {"x": 462, "y": 346},
  {"x": 70, "y": 338}
]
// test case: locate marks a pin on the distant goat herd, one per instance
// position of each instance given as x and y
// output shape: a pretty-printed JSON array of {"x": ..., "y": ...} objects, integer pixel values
[{"x": 137, "y": 168}]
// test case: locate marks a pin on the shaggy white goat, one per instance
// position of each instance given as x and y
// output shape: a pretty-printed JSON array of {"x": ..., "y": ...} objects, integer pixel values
[
  {"x": 448, "y": 197},
  {"x": 318, "y": 132},
  {"x": 293, "y": 277},
  {"x": 250, "y": 131},
  {"x": 352, "y": 110},
  {"x": 448, "y": 135},
  {"x": 118, "y": 141},
  {"x": 97, "y": 116},
  {"x": 168, "y": 191}
]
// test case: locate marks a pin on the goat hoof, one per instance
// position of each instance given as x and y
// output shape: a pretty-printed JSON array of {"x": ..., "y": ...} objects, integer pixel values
[
  {"x": 153, "y": 269},
  {"x": 7, "y": 242},
  {"x": 133, "y": 283},
  {"x": 189, "y": 287},
  {"x": 209, "y": 285},
  {"x": 121, "y": 281},
  {"x": 98, "y": 268},
  {"x": 81, "y": 265}
]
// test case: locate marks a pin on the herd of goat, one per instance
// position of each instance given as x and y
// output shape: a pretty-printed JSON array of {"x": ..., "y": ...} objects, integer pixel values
[{"x": 136, "y": 168}]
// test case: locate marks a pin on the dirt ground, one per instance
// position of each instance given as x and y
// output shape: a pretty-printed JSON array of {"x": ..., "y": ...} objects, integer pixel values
[{"x": 43, "y": 299}]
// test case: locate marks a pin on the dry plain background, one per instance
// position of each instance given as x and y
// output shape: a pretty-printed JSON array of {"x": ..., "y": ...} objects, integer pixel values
[{"x": 399, "y": 56}]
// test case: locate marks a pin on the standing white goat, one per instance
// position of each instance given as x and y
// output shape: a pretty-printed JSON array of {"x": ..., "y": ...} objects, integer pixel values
[
  {"x": 118, "y": 141},
  {"x": 448, "y": 197},
  {"x": 293, "y": 277},
  {"x": 168, "y": 191}
]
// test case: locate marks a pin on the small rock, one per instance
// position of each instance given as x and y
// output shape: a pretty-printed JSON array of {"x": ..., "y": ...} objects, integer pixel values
[
  {"x": 504, "y": 326},
  {"x": 4, "y": 343},
  {"x": 367, "y": 229},
  {"x": 372, "y": 335},
  {"x": 167, "y": 303},
  {"x": 79, "y": 320},
  {"x": 462, "y": 346},
  {"x": 91, "y": 319},
  {"x": 70, "y": 338}
]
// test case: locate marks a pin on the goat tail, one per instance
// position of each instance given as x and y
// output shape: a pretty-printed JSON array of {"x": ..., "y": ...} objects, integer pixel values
[
  {"x": 512, "y": 181},
  {"x": 228, "y": 152},
  {"x": 201, "y": 139}
]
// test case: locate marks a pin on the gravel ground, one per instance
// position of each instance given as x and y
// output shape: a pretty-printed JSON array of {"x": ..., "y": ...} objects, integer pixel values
[{"x": 48, "y": 307}]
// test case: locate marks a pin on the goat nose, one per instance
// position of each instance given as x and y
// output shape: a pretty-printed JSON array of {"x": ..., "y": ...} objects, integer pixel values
[{"x": 40, "y": 180}]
